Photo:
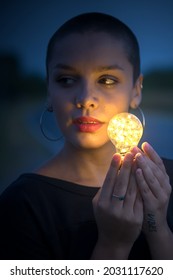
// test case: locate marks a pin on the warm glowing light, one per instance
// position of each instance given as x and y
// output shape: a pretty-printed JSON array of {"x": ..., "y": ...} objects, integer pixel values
[{"x": 125, "y": 131}]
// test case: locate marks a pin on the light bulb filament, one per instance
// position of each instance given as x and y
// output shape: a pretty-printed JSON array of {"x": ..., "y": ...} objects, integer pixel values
[{"x": 125, "y": 131}]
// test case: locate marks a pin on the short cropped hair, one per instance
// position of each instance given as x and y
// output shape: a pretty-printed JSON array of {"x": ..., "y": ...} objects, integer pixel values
[{"x": 100, "y": 22}]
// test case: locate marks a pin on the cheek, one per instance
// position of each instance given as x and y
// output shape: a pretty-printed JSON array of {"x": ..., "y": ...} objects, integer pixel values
[
  {"x": 63, "y": 113},
  {"x": 61, "y": 103},
  {"x": 116, "y": 107}
]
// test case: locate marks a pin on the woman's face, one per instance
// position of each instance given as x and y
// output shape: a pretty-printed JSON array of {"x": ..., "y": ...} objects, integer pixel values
[{"x": 90, "y": 80}]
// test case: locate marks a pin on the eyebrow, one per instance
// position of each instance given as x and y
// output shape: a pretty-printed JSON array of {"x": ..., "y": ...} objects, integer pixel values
[
  {"x": 109, "y": 67},
  {"x": 97, "y": 69},
  {"x": 64, "y": 66}
]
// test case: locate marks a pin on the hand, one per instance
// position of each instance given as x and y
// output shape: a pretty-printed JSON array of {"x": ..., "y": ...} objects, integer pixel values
[
  {"x": 119, "y": 222},
  {"x": 154, "y": 186}
]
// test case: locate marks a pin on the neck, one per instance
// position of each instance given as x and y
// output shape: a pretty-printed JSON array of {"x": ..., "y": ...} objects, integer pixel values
[{"x": 87, "y": 167}]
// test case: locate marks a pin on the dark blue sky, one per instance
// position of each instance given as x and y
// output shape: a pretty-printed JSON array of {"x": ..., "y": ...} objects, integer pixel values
[{"x": 26, "y": 26}]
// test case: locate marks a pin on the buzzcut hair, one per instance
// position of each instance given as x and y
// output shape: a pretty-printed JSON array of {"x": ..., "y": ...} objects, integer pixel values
[{"x": 99, "y": 22}]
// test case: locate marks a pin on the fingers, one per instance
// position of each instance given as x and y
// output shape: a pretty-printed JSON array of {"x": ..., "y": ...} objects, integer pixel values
[
  {"x": 122, "y": 180},
  {"x": 151, "y": 153},
  {"x": 152, "y": 181},
  {"x": 131, "y": 193},
  {"x": 147, "y": 179},
  {"x": 145, "y": 190},
  {"x": 106, "y": 190},
  {"x": 135, "y": 150},
  {"x": 142, "y": 179},
  {"x": 138, "y": 205},
  {"x": 117, "y": 178}
]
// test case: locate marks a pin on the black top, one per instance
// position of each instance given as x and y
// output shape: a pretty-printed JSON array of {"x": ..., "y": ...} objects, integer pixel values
[{"x": 47, "y": 218}]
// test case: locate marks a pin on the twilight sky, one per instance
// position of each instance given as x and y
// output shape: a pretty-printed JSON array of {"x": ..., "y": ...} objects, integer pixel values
[{"x": 26, "y": 26}]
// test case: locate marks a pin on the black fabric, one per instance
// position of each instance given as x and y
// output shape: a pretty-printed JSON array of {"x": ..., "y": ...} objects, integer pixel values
[{"x": 46, "y": 218}]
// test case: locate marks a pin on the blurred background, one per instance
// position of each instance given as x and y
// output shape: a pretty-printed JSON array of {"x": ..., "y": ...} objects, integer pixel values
[{"x": 25, "y": 28}]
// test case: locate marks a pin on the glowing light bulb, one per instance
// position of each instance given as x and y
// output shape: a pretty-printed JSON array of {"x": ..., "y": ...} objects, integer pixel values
[{"x": 125, "y": 131}]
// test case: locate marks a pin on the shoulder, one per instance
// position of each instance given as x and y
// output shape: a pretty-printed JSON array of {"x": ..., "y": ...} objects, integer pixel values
[
  {"x": 37, "y": 189},
  {"x": 28, "y": 198},
  {"x": 16, "y": 196},
  {"x": 27, "y": 191},
  {"x": 23, "y": 184}
]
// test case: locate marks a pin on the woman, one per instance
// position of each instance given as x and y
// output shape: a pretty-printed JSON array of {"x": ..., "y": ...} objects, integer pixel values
[{"x": 87, "y": 202}]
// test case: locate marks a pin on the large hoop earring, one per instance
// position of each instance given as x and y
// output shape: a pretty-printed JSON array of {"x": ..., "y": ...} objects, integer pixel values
[{"x": 42, "y": 118}]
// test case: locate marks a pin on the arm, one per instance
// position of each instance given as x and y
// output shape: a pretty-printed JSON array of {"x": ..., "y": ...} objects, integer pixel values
[
  {"x": 107, "y": 250},
  {"x": 161, "y": 244},
  {"x": 155, "y": 189}
]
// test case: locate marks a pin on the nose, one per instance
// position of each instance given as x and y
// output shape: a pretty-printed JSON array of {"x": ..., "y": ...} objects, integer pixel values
[{"x": 87, "y": 98}]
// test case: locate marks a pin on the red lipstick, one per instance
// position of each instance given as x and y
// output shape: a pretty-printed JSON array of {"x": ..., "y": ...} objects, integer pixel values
[{"x": 87, "y": 124}]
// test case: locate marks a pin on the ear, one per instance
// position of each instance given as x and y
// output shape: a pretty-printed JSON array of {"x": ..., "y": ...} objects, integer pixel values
[{"x": 137, "y": 93}]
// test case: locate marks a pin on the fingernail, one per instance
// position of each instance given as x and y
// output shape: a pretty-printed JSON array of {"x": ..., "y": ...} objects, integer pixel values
[
  {"x": 139, "y": 172},
  {"x": 134, "y": 150},
  {"x": 146, "y": 146},
  {"x": 115, "y": 159},
  {"x": 128, "y": 157},
  {"x": 139, "y": 157}
]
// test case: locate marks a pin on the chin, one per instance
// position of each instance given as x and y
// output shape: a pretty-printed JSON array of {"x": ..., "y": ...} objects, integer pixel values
[
  {"x": 90, "y": 144},
  {"x": 88, "y": 140}
]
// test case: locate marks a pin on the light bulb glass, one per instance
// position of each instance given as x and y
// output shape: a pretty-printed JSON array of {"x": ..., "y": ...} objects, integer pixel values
[{"x": 125, "y": 131}]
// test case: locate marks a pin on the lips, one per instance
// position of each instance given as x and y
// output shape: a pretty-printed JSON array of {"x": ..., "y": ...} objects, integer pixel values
[{"x": 87, "y": 124}]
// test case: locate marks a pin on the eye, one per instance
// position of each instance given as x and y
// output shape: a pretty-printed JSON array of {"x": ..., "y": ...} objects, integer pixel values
[
  {"x": 108, "y": 81},
  {"x": 66, "y": 81}
]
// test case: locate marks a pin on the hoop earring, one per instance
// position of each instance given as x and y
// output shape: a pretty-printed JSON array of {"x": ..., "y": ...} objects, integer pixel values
[
  {"x": 42, "y": 117},
  {"x": 141, "y": 114}
]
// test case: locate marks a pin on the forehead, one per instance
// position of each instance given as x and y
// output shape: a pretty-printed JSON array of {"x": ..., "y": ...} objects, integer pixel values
[{"x": 89, "y": 48}]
